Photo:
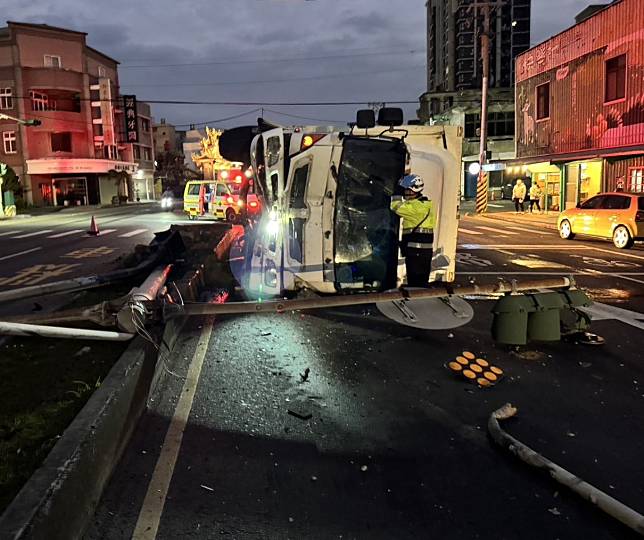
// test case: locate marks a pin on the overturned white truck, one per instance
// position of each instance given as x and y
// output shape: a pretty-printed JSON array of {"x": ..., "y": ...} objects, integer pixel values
[{"x": 326, "y": 223}]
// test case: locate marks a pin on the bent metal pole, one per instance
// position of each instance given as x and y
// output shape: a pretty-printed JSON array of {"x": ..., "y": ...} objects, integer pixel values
[
  {"x": 279, "y": 306},
  {"x": 36, "y": 330}
]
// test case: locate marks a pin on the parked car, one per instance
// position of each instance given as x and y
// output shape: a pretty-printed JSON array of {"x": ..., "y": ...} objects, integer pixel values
[{"x": 619, "y": 216}]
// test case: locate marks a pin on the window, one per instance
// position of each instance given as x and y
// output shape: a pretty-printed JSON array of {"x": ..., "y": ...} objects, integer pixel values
[
  {"x": 137, "y": 151},
  {"x": 6, "y": 98},
  {"x": 295, "y": 236},
  {"x": 9, "y": 142},
  {"x": 193, "y": 189},
  {"x": 635, "y": 182},
  {"x": 40, "y": 102},
  {"x": 543, "y": 101},
  {"x": 222, "y": 190},
  {"x": 616, "y": 202},
  {"x": 594, "y": 202},
  {"x": 472, "y": 123},
  {"x": 615, "y": 78},
  {"x": 147, "y": 154},
  {"x": 101, "y": 71},
  {"x": 145, "y": 124},
  {"x": 299, "y": 187},
  {"x": 61, "y": 142},
  {"x": 52, "y": 61}
]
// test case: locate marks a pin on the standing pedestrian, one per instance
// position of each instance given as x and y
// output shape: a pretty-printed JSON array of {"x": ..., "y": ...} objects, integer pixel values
[
  {"x": 518, "y": 195},
  {"x": 418, "y": 221},
  {"x": 535, "y": 196}
]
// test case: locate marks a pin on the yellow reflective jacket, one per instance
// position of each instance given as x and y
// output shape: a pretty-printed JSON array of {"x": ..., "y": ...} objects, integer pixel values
[{"x": 415, "y": 213}]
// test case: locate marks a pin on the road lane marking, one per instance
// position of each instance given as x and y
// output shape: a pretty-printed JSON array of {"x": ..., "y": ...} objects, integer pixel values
[
  {"x": 618, "y": 253},
  {"x": 132, "y": 233},
  {"x": 468, "y": 231},
  {"x": 67, "y": 233},
  {"x": 535, "y": 230},
  {"x": 100, "y": 233},
  {"x": 89, "y": 252},
  {"x": 558, "y": 247},
  {"x": 19, "y": 253},
  {"x": 602, "y": 312},
  {"x": 33, "y": 234},
  {"x": 497, "y": 231},
  {"x": 630, "y": 278},
  {"x": 37, "y": 274},
  {"x": 10, "y": 232},
  {"x": 147, "y": 523}
]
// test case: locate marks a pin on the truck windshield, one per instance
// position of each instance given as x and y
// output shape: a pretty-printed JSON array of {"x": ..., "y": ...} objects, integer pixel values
[{"x": 366, "y": 231}]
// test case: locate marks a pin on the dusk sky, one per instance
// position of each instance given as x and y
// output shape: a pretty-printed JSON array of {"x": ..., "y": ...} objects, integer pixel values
[{"x": 264, "y": 50}]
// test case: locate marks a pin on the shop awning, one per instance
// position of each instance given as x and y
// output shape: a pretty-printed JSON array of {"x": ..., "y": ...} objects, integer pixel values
[{"x": 78, "y": 165}]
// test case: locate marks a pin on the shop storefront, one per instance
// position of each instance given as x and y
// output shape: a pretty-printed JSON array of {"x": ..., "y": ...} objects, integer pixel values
[
  {"x": 548, "y": 178},
  {"x": 583, "y": 180}
]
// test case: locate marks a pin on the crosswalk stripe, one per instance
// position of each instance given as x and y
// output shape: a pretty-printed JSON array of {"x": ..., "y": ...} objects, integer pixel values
[
  {"x": 497, "y": 231},
  {"x": 66, "y": 233},
  {"x": 100, "y": 233},
  {"x": 132, "y": 233},
  {"x": 10, "y": 232},
  {"x": 468, "y": 231},
  {"x": 37, "y": 233},
  {"x": 19, "y": 253}
]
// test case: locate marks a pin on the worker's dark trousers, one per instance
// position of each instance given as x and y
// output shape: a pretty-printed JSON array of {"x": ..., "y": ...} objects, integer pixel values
[{"x": 418, "y": 250}]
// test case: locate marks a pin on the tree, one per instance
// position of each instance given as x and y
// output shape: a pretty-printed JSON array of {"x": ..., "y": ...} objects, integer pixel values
[{"x": 171, "y": 169}]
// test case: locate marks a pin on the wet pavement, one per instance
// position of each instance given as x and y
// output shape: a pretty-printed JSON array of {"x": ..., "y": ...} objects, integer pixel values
[{"x": 379, "y": 439}]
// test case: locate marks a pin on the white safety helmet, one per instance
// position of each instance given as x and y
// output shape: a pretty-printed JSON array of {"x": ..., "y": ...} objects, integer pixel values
[{"x": 413, "y": 182}]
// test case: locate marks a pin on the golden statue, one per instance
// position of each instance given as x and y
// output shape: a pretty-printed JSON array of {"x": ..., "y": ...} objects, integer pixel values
[{"x": 209, "y": 160}]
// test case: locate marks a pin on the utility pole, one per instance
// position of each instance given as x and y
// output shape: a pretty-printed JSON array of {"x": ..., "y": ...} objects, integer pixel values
[{"x": 482, "y": 184}]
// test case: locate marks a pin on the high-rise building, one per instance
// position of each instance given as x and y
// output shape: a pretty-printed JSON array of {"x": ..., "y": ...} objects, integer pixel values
[
  {"x": 454, "y": 28},
  {"x": 455, "y": 71}
]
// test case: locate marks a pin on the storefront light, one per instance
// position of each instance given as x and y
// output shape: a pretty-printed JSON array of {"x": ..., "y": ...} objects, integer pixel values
[{"x": 474, "y": 168}]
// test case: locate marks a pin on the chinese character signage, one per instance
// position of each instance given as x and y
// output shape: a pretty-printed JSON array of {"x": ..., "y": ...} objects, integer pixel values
[{"x": 131, "y": 119}]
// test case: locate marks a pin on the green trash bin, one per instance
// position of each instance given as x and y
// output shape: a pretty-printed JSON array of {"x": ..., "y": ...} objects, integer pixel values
[
  {"x": 9, "y": 199},
  {"x": 544, "y": 324},
  {"x": 510, "y": 323},
  {"x": 574, "y": 320}
]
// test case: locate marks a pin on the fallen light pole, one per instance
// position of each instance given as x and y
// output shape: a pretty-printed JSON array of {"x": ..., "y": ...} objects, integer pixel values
[
  {"x": 36, "y": 330},
  {"x": 280, "y": 306},
  {"x": 605, "y": 502}
]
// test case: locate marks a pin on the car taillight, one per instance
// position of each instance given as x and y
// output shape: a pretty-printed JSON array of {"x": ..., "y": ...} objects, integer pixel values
[
  {"x": 252, "y": 204},
  {"x": 639, "y": 216},
  {"x": 230, "y": 200}
]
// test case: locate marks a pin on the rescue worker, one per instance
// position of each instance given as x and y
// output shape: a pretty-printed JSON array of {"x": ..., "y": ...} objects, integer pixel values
[{"x": 418, "y": 220}]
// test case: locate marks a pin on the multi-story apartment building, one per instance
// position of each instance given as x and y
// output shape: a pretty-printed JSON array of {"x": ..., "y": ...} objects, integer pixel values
[
  {"x": 580, "y": 106},
  {"x": 52, "y": 75},
  {"x": 454, "y": 73}
]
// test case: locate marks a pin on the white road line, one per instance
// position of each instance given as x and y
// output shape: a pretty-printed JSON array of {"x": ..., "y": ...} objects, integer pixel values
[
  {"x": 19, "y": 253},
  {"x": 468, "y": 231},
  {"x": 132, "y": 233},
  {"x": 67, "y": 233},
  {"x": 100, "y": 233},
  {"x": 618, "y": 253},
  {"x": 497, "y": 231},
  {"x": 535, "y": 230},
  {"x": 630, "y": 278},
  {"x": 147, "y": 524},
  {"x": 522, "y": 246},
  {"x": 10, "y": 232},
  {"x": 602, "y": 312},
  {"x": 33, "y": 234}
]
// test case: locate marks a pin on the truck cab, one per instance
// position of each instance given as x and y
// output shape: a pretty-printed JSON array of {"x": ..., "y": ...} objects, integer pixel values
[{"x": 325, "y": 223}]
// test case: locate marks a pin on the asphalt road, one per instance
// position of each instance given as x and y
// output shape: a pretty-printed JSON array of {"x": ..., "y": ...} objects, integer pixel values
[
  {"x": 395, "y": 446},
  {"x": 56, "y": 246}
]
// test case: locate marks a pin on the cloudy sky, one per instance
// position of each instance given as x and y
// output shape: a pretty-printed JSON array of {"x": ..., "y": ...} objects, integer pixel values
[{"x": 279, "y": 51}]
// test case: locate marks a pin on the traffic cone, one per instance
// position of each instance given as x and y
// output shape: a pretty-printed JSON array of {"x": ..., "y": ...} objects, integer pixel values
[{"x": 93, "y": 228}]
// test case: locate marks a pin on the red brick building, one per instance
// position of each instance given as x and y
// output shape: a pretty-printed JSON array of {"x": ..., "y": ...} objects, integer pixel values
[
  {"x": 52, "y": 75},
  {"x": 580, "y": 106}
]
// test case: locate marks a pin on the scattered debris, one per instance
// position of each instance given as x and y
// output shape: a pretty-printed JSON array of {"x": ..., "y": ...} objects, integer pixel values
[
  {"x": 585, "y": 364},
  {"x": 554, "y": 511},
  {"x": 290, "y": 520},
  {"x": 364, "y": 468},
  {"x": 314, "y": 478},
  {"x": 264, "y": 334},
  {"x": 207, "y": 488},
  {"x": 83, "y": 351},
  {"x": 306, "y": 416},
  {"x": 305, "y": 376},
  {"x": 571, "y": 434},
  {"x": 450, "y": 335}
]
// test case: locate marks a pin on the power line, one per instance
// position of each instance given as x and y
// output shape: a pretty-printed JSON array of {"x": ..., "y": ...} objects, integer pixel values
[
  {"x": 219, "y": 119},
  {"x": 265, "y": 81},
  {"x": 305, "y": 117},
  {"x": 387, "y": 52}
]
